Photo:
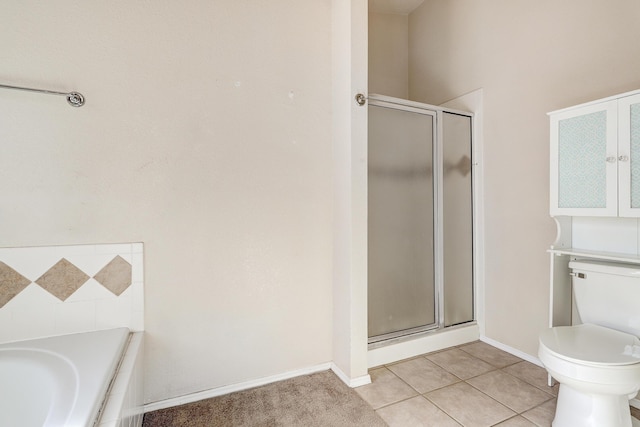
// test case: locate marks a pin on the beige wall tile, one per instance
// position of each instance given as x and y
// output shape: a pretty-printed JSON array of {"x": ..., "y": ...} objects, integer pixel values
[
  {"x": 115, "y": 276},
  {"x": 62, "y": 279},
  {"x": 11, "y": 283}
]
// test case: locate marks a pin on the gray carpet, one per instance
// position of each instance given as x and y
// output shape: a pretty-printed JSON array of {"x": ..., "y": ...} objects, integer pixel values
[{"x": 319, "y": 399}]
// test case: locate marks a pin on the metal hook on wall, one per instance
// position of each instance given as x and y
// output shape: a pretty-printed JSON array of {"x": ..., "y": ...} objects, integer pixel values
[{"x": 361, "y": 99}]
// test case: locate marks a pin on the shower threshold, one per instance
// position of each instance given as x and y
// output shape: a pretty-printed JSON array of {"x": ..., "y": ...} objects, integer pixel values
[
  {"x": 411, "y": 334},
  {"x": 408, "y": 346}
]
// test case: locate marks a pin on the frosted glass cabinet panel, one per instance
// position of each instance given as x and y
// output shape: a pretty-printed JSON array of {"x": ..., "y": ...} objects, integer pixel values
[
  {"x": 629, "y": 156},
  {"x": 584, "y": 175},
  {"x": 595, "y": 158}
]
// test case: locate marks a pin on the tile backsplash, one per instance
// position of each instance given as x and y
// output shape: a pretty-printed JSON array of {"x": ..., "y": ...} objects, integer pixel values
[{"x": 56, "y": 290}]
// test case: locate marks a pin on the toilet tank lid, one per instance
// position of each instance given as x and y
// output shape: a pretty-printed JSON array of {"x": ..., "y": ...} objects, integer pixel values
[{"x": 618, "y": 268}]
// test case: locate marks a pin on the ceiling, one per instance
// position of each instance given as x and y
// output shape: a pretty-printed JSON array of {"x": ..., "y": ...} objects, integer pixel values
[{"x": 403, "y": 7}]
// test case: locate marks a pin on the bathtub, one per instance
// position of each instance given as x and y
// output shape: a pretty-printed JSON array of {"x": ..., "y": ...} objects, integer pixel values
[{"x": 61, "y": 381}]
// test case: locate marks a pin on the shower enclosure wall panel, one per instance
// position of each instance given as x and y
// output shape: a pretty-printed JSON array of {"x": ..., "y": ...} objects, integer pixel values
[
  {"x": 457, "y": 219},
  {"x": 420, "y": 262}
]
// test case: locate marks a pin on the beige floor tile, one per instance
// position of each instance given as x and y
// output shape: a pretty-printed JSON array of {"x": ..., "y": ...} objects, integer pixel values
[
  {"x": 510, "y": 391},
  {"x": 533, "y": 374},
  {"x": 635, "y": 412},
  {"x": 516, "y": 422},
  {"x": 542, "y": 415},
  {"x": 385, "y": 388},
  {"x": 491, "y": 355},
  {"x": 468, "y": 406},
  {"x": 460, "y": 363},
  {"x": 422, "y": 374},
  {"x": 416, "y": 411}
]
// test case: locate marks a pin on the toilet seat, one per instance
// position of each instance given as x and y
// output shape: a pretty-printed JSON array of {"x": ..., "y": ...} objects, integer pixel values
[{"x": 591, "y": 345}]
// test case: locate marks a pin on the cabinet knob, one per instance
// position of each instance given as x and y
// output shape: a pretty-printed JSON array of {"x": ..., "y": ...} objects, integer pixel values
[
  {"x": 623, "y": 158},
  {"x": 611, "y": 159}
]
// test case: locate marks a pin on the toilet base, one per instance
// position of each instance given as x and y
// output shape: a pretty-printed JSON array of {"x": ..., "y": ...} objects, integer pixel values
[{"x": 575, "y": 408}]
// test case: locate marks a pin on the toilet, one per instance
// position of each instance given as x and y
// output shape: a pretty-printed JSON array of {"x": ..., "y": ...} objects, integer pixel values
[{"x": 597, "y": 361}]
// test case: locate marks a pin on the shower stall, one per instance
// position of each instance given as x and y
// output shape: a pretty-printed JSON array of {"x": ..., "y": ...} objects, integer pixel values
[{"x": 420, "y": 216}]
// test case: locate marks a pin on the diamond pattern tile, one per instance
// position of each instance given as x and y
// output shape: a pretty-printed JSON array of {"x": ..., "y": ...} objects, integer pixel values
[
  {"x": 62, "y": 279},
  {"x": 11, "y": 283},
  {"x": 115, "y": 276}
]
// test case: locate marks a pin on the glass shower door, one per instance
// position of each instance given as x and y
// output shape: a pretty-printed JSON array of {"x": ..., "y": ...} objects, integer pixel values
[{"x": 401, "y": 289}]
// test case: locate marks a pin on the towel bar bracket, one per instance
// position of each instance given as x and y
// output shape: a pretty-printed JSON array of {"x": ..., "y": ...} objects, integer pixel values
[{"x": 75, "y": 99}]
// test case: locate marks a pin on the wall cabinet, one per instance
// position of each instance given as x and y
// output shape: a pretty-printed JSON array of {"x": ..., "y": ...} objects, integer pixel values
[{"x": 595, "y": 158}]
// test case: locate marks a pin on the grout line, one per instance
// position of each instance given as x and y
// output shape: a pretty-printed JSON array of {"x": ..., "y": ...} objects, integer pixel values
[
  {"x": 510, "y": 418},
  {"x": 509, "y": 407},
  {"x": 493, "y": 398},
  {"x": 442, "y": 409}
]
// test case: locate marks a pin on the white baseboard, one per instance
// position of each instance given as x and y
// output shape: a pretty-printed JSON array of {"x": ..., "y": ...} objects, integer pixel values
[
  {"x": 351, "y": 382},
  {"x": 515, "y": 352},
  {"x": 219, "y": 391}
]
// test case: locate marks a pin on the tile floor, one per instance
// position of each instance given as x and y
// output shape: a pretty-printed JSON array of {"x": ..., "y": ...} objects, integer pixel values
[{"x": 470, "y": 385}]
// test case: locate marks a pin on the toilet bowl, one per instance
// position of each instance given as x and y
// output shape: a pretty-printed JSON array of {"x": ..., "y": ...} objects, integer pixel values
[
  {"x": 597, "y": 371},
  {"x": 597, "y": 364}
]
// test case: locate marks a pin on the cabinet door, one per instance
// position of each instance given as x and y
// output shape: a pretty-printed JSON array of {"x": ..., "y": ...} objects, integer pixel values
[
  {"x": 629, "y": 156},
  {"x": 584, "y": 161}
]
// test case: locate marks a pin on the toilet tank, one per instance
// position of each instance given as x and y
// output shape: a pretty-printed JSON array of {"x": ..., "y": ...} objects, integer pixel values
[{"x": 607, "y": 294}]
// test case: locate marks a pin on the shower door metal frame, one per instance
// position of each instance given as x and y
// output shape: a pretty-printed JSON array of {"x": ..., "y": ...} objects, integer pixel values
[{"x": 438, "y": 214}]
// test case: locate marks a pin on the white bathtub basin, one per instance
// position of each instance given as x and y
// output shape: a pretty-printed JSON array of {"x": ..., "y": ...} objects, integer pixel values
[
  {"x": 29, "y": 376},
  {"x": 58, "y": 381}
]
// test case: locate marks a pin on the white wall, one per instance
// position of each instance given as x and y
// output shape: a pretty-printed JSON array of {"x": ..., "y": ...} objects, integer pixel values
[
  {"x": 389, "y": 54},
  {"x": 349, "y": 142},
  {"x": 207, "y": 136},
  {"x": 530, "y": 58}
]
